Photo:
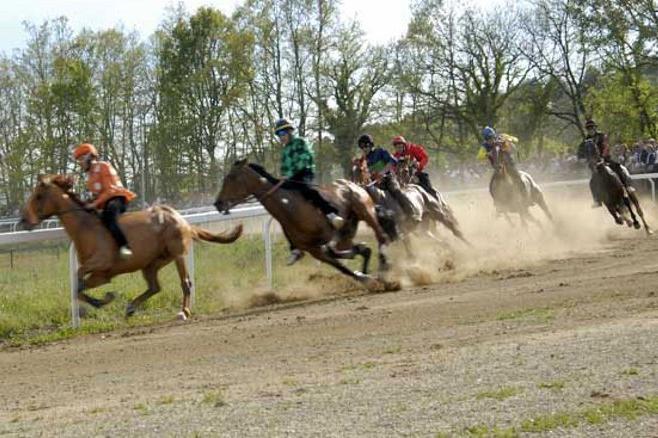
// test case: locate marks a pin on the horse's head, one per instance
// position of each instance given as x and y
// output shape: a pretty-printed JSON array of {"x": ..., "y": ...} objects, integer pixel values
[
  {"x": 44, "y": 201},
  {"x": 389, "y": 182},
  {"x": 237, "y": 186},
  {"x": 360, "y": 172},
  {"x": 404, "y": 170}
]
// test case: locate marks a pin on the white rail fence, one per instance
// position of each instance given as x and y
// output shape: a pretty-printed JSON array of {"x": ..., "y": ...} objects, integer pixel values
[{"x": 256, "y": 211}]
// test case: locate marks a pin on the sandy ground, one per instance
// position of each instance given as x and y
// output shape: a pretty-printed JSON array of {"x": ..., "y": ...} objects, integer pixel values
[{"x": 558, "y": 319}]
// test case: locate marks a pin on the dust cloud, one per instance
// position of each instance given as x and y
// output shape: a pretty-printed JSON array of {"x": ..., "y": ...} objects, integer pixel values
[{"x": 496, "y": 244}]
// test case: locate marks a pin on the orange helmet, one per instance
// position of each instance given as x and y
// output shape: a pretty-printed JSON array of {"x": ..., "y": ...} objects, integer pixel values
[
  {"x": 84, "y": 149},
  {"x": 398, "y": 139}
]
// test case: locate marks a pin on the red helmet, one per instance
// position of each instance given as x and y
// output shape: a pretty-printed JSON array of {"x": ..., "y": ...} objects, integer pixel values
[
  {"x": 84, "y": 149},
  {"x": 398, "y": 139}
]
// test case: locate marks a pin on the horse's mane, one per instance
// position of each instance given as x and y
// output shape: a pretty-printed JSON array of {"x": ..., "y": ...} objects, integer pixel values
[
  {"x": 262, "y": 172},
  {"x": 64, "y": 184}
]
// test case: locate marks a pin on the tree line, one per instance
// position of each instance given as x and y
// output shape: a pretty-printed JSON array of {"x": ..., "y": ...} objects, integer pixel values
[{"x": 173, "y": 110}]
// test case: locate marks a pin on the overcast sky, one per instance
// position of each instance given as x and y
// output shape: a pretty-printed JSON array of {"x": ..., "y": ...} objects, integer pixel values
[{"x": 383, "y": 20}]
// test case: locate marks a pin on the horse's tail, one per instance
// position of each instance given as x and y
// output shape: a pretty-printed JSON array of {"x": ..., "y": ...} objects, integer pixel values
[{"x": 199, "y": 233}]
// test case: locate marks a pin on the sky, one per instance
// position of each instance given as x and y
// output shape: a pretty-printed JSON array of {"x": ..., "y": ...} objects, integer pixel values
[{"x": 382, "y": 20}]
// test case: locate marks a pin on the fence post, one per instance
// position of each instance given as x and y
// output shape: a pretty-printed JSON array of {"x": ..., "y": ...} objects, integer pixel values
[
  {"x": 73, "y": 278},
  {"x": 267, "y": 240},
  {"x": 190, "y": 272}
]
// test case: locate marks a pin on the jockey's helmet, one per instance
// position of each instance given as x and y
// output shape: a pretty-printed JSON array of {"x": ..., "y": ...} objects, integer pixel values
[
  {"x": 488, "y": 133},
  {"x": 398, "y": 139},
  {"x": 283, "y": 125},
  {"x": 84, "y": 149},
  {"x": 365, "y": 140}
]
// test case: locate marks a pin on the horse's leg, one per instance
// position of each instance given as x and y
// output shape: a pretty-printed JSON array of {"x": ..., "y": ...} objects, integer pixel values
[
  {"x": 323, "y": 256},
  {"x": 616, "y": 216},
  {"x": 150, "y": 274},
  {"x": 186, "y": 285},
  {"x": 95, "y": 279},
  {"x": 533, "y": 219},
  {"x": 539, "y": 199},
  {"x": 627, "y": 203},
  {"x": 448, "y": 219},
  {"x": 365, "y": 211},
  {"x": 640, "y": 212},
  {"x": 358, "y": 249}
]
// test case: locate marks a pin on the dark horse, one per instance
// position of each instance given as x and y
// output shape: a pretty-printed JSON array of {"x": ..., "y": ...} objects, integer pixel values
[
  {"x": 508, "y": 197},
  {"x": 305, "y": 225},
  {"x": 609, "y": 189},
  {"x": 158, "y": 236}
]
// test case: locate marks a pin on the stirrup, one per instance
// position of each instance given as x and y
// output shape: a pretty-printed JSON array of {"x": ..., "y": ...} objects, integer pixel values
[
  {"x": 125, "y": 252},
  {"x": 336, "y": 221}
]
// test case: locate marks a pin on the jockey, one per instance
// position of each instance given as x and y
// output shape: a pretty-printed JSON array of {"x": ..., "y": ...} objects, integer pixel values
[
  {"x": 379, "y": 160},
  {"x": 417, "y": 152},
  {"x": 108, "y": 194},
  {"x": 298, "y": 167},
  {"x": 601, "y": 151},
  {"x": 497, "y": 145}
]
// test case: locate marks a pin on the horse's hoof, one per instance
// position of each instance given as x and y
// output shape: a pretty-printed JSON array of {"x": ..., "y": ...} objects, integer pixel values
[
  {"x": 637, "y": 225},
  {"x": 187, "y": 311},
  {"x": 130, "y": 309},
  {"x": 369, "y": 282},
  {"x": 181, "y": 316},
  {"x": 649, "y": 231}
]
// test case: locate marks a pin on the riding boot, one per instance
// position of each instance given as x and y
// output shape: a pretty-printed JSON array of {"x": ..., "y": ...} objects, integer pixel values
[
  {"x": 313, "y": 196},
  {"x": 426, "y": 184}
]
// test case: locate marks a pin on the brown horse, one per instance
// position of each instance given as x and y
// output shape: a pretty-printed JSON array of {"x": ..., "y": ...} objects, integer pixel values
[
  {"x": 613, "y": 194},
  {"x": 304, "y": 225},
  {"x": 157, "y": 237}
]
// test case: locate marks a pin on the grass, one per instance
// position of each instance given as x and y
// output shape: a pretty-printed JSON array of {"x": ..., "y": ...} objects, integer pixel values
[
  {"x": 214, "y": 398},
  {"x": 35, "y": 297},
  {"x": 630, "y": 372},
  {"x": 539, "y": 315},
  {"x": 556, "y": 385},
  {"x": 499, "y": 394},
  {"x": 627, "y": 409}
]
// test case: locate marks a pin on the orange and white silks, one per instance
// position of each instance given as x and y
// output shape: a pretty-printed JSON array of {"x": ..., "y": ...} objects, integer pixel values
[{"x": 104, "y": 183}]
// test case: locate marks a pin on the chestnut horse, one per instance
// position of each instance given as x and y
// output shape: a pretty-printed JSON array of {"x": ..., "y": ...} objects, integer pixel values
[
  {"x": 157, "y": 237},
  {"x": 305, "y": 225}
]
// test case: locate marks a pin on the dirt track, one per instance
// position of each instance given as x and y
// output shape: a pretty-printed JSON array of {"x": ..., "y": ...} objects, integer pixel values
[{"x": 488, "y": 344}]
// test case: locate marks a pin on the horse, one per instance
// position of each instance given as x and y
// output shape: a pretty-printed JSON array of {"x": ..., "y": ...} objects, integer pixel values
[
  {"x": 608, "y": 188},
  {"x": 303, "y": 224},
  {"x": 157, "y": 236},
  {"x": 426, "y": 209},
  {"x": 509, "y": 198}
]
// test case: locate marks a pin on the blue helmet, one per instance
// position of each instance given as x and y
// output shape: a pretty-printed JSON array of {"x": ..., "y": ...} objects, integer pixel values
[{"x": 488, "y": 133}]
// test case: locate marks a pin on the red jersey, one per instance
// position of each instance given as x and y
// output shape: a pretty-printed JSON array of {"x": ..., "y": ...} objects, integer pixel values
[{"x": 415, "y": 151}]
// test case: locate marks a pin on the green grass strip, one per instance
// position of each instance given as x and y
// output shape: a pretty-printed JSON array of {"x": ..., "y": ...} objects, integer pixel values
[{"x": 629, "y": 409}]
